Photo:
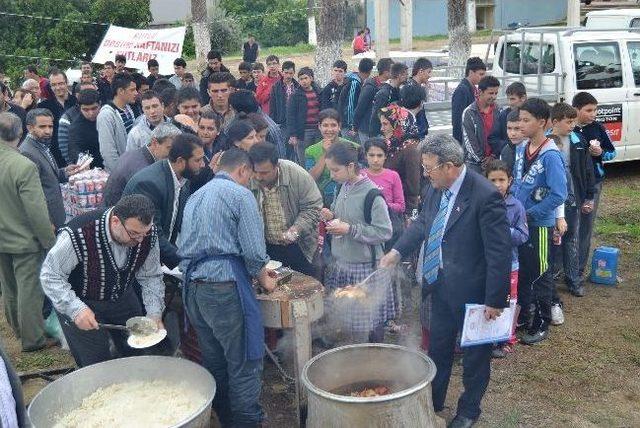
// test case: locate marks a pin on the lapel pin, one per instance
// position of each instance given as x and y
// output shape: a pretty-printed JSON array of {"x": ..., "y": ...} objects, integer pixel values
[{"x": 458, "y": 209}]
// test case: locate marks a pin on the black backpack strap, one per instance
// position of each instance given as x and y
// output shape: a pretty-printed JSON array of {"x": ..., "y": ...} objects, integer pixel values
[{"x": 368, "y": 206}]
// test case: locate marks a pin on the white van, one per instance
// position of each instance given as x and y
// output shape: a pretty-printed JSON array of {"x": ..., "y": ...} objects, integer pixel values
[
  {"x": 613, "y": 18},
  {"x": 559, "y": 62}
]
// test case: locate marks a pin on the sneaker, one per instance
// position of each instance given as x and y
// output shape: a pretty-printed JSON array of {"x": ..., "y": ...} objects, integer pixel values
[
  {"x": 498, "y": 352},
  {"x": 557, "y": 316},
  {"x": 534, "y": 337},
  {"x": 578, "y": 291}
]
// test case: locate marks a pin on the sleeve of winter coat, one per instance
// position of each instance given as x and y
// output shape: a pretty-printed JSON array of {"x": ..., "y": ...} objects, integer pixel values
[
  {"x": 519, "y": 228},
  {"x": 379, "y": 101},
  {"x": 494, "y": 229},
  {"x": 556, "y": 179},
  {"x": 106, "y": 139},
  {"x": 35, "y": 206},
  {"x": 457, "y": 108},
  {"x": 380, "y": 229},
  {"x": 364, "y": 102},
  {"x": 470, "y": 141},
  {"x": 310, "y": 204}
]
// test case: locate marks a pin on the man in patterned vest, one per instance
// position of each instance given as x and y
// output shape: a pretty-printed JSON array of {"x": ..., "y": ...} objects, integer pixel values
[{"x": 90, "y": 272}]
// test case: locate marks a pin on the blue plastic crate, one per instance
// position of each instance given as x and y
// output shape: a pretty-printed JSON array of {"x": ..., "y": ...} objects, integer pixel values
[{"x": 604, "y": 265}]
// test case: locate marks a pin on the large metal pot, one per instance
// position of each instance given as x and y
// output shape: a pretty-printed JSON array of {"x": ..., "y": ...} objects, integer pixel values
[
  {"x": 66, "y": 394},
  {"x": 406, "y": 372}
]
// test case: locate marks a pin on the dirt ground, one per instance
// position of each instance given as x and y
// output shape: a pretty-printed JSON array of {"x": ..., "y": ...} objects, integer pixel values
[{"x": 585, "y": 375}]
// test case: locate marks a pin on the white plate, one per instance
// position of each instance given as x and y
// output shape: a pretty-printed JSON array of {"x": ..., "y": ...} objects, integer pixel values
[
  {"x": 150, "y": 340},
  {"x": 273, "y": 265}
]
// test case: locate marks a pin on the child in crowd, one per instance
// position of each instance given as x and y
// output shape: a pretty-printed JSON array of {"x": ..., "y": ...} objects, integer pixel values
[
  {"x": 508, "y": 153},
  {"x": 540, "y": 184},
  {"x": 601, "y": 149},
  {"x": 516, "y": 96},
  {"x": 389, "y": 183},
  {"x": 244, "y": 69},
  {"x": 303, "y": 109},
  {"x": 500, "y": 174},
  {"x": 357, "y": 245},
  {"x": 329, "y": 126},
  {"x": 576, "y": 155},
  {"x": 257, "y": 71}
]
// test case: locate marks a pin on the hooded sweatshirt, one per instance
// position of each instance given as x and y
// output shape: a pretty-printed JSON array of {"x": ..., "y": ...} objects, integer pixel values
[
  {"x": 543, "y": 186},
  {"x": 596, "y": 131},
  {"x": 355, "y": 246},
  {"x": 349, "y": 99}
]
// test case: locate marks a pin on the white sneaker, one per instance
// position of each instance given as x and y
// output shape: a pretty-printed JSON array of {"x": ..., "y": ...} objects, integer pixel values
[{"x": 557, "y": 316}]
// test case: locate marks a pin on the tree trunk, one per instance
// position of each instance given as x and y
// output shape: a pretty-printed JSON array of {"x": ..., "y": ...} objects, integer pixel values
[
  {"x": 311, "y": 22},
  {"x": 330, "y": 31},
  {"x": 459, "y": 37},
  {"x": 200, "y": 27}
]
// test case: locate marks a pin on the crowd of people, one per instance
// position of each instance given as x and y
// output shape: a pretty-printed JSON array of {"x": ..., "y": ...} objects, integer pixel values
[{"x": 219, "y": 176}]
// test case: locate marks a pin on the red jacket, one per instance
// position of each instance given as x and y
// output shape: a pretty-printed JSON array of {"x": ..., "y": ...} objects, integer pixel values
[{"x": 263, "y": 91}]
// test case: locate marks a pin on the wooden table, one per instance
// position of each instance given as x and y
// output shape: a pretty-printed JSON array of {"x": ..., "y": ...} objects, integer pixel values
[{"x": 295, "y": 305}]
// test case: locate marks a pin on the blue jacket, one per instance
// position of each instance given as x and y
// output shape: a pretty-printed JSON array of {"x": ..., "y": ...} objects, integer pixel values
[
  {"x": 596, "y": 131},
  {"x": 517, "y": 218},
  {"x": 543, "y": 187}
]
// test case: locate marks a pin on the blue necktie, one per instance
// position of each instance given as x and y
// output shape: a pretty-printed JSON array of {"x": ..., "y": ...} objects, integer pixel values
[{"x": 431, "y": 258}]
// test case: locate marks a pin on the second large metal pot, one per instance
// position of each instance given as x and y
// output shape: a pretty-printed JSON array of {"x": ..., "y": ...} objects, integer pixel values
[
  {"x": 66, "y": 394},
  {"x": 407, "y": 373}
]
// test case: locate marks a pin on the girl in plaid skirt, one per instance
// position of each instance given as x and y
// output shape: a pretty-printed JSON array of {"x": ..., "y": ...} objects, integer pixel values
[{"x": 359, "y": 225}]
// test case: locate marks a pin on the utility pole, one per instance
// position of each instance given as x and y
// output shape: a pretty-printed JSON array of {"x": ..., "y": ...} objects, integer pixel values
[
  {"x": 406, "y": 25},
  {"x": 382, "y": 28},
  {"x": 573, "y": 13}
]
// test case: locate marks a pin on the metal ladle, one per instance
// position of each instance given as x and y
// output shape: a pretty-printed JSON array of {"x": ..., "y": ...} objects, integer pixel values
[{"x": 137, "y": 326}]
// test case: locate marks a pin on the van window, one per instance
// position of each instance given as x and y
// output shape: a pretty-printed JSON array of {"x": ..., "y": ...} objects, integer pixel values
[
  {"x": 635, "y": 23},
  {"x": 634, "y": 56},
  {"x": 530, "y": 55},
  {"x": 598, "y": 65}
]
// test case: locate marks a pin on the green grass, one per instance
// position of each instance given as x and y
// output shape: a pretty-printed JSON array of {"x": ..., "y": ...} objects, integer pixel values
[
  {"x": 609, "y": 227},
  {"x": 511, "y": 419}
]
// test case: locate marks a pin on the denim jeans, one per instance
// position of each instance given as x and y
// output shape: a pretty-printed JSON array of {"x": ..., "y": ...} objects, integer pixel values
[
  {"x": 566, "y": 255},
  {"x": 215, "y": 312},
  {"x": 585, "y": 232}
]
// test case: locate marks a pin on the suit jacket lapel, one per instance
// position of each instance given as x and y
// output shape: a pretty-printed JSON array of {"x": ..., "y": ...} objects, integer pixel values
[{"x": 461, "y": 203}]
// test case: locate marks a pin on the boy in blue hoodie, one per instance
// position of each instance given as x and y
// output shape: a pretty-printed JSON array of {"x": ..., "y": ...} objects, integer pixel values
[
  {"x": 541, "y": 186},
  {"x": 602, "y": 150}
]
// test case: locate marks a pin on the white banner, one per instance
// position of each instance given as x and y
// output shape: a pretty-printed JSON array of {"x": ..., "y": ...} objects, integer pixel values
[{"x": 139, "y": 46}]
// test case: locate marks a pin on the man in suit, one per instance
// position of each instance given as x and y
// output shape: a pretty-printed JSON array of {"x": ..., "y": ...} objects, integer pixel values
[
  {"x": 37, "y": 147},
  {"x": 467, "y": 260},
  {"x": 166, "y": 183},
  {"x": 26, "y": 236}
]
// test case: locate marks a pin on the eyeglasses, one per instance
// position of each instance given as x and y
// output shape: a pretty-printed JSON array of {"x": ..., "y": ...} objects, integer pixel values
[
  {"x": 135, "y": 235},
  {"x": 430, "y": 170}
]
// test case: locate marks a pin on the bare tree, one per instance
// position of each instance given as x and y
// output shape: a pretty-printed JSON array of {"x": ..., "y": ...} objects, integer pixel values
[
  {"x": 459, "y": 37},
  {"x": 330, "y": 34},
  {"x": 200, "y": 27}
]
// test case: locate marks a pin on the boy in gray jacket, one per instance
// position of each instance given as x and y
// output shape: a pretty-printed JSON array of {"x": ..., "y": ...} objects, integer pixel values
[{"x": 115, "y": 120}]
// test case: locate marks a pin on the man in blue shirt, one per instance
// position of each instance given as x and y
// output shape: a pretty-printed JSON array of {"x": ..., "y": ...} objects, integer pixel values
[{"x": 222, "y": 247}]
